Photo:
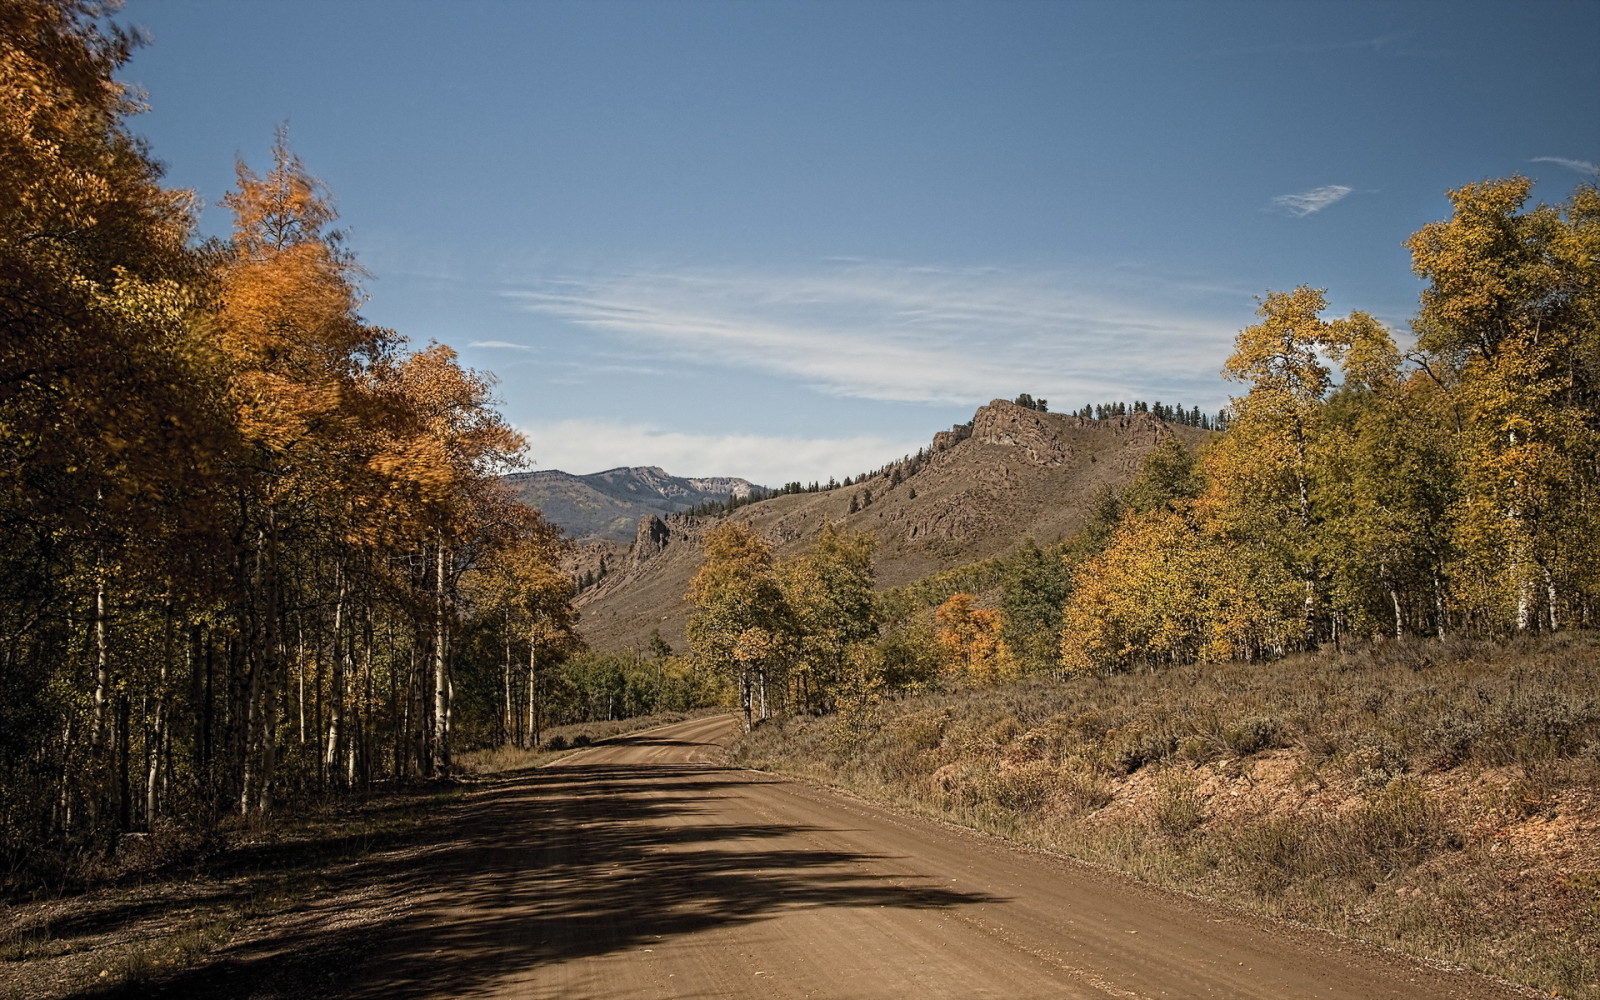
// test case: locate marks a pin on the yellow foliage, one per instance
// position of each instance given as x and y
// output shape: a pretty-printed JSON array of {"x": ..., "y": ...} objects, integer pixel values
[{"x": 971, "y": 636}]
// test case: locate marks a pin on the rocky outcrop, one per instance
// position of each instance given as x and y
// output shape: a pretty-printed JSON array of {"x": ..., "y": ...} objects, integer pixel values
[
  {"x": 650, "y": 539},
  {"x": 1029, "y": 431}
]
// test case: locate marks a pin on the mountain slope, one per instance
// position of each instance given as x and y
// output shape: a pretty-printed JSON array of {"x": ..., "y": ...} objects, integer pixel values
[
  {"x": 608, "y": 505},
  {"x": 1010, "y": 474}
]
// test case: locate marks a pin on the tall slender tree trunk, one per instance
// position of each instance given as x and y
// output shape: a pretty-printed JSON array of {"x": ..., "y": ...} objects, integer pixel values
[
  {"x": 440, "y": 757},
  {"x": 155, "y": 741},
  {"x": 505, "y": 688},
  {"x": 533, "y": 729},
  {"x": 336, "y": 689},
  {"x": 744, "y": 693},
  {"x": 300, "y": 677},
  {"x": 102, "y": 669}
]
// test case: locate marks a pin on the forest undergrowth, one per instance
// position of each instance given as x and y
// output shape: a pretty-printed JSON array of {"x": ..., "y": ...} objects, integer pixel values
[{"x": 1436, "y": 797}]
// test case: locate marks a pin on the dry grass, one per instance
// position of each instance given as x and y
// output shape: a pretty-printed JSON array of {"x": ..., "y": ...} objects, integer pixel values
[{"x": 1440, "y": 798}]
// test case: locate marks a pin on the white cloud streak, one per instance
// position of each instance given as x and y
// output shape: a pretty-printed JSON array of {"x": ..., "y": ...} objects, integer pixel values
[
  {"x": 1307, "y": 202},
  {"x": 907, "y": 334},
  {"x": 585, "y": 446},
  {"x": 1576, "y": 166}
]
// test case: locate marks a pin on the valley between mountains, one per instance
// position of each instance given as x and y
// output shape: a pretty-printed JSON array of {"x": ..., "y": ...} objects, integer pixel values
[{"x": 1010, "y": 474}]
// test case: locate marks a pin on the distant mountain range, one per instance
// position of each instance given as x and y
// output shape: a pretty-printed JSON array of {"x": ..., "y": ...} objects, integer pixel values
[{"x": 608, "y": 505}]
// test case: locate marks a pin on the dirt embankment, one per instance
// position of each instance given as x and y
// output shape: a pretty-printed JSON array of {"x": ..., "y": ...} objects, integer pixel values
[{"x": 1439, "y": 799}]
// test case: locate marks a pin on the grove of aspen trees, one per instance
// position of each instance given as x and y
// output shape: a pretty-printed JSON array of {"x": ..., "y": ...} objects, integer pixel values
[{"x": 242, "y": 531}]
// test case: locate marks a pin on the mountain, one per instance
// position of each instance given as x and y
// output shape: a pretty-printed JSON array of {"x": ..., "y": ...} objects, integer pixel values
[
  {"x": 1009, "y": 474},
  {"x": 608, "y": 505}
]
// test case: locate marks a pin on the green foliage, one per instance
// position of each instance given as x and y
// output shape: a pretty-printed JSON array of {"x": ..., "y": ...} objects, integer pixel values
[
  {"x": 1034, "y": 584},
  {"x": 829, "y": 593}
]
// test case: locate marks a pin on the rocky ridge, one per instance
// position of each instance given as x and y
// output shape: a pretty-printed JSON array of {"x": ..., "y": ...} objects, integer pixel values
[
  {"x": 608, "y": 505},
  {"x": 1010, "y": 474}
]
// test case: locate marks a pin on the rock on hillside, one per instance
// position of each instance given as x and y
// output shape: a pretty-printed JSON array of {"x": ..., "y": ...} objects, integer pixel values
[
  {"x": 608, "y": 505},
  {"x": 1010, "y": 474}
]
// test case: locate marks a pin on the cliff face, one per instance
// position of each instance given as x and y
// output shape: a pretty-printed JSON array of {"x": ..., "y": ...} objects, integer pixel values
[
  {"x": 1010, "y": 474},
  {"x": 1028, "y": 431},
  {"x": 650, "y": 539}
]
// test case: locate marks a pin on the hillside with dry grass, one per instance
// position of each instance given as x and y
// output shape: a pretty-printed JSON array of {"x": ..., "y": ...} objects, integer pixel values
[
  {"x": 1011, "y": 474},
  {"x": 1439, "y": 798}
]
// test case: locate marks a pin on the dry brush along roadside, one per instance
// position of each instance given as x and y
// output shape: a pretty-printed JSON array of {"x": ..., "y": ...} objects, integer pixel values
[{"x": 1442, "y": 799}]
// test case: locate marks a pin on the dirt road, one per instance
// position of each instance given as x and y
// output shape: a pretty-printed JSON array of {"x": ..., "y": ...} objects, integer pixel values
[{"x": 643, "y": 868}]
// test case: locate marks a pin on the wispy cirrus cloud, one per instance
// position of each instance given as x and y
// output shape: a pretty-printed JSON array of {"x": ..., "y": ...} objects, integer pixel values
[
  {"x": 1307, "y": 202},
  {"x": 584, "y": 446},
  {"x": 1576, "y": 166},
  {"x": 902, "y": 333}
]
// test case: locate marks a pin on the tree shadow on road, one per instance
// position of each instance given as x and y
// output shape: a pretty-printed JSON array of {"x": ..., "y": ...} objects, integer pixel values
[{"x": 546, "y": 867}]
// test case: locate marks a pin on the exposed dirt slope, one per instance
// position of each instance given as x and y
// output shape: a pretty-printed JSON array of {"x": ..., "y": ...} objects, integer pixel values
[{"x": 1020, "y": 473}]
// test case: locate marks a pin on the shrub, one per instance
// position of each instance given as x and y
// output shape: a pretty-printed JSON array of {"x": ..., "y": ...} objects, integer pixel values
[
  {"x": 1373, "y": 761},
  {"x": 1269, "y": 853},
  {"x": 1398, "y": 828},
  {"x": 1135, "y": 747},
  {"x": 1178, "y": 808},
  {"x": 1252, "y": 735},
  {"x": 1197, "y": 749},
  {"x": 1079, "y": 789}
]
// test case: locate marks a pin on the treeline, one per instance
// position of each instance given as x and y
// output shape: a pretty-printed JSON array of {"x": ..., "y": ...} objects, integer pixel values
[
  {"x": 246, "y": 537},
  {"x": 1191, "y": 417},
  {"x": 1356, "y": 492}
]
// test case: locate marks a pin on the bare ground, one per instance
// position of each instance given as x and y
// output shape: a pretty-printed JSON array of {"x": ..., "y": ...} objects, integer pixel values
[{"x": 646, "y": 867}]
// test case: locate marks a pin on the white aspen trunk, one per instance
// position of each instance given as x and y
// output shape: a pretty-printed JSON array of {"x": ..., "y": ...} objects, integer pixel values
[
  {"x": 1550, "y": 595},
  {"x": 158, "y": 736},
  {"x": 336, "y": 689},
  {"x": 102, "y": 671},
  {"x": 1519, "y": 576},
  {"x": 300, "y": 678},
  {"x": 1524, "y": 600},
  {"x": 441, "y": 694},
  {"x": 535, "y": 737}
]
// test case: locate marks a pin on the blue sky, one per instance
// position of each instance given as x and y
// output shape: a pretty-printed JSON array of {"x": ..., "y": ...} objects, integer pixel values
[{"x": 793, "y": 240}]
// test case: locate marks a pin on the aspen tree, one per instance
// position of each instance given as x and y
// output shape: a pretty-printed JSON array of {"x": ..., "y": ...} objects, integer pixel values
[
  {"x": 739, "y": 612},
  {"x": 1512, "y": 316}
]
